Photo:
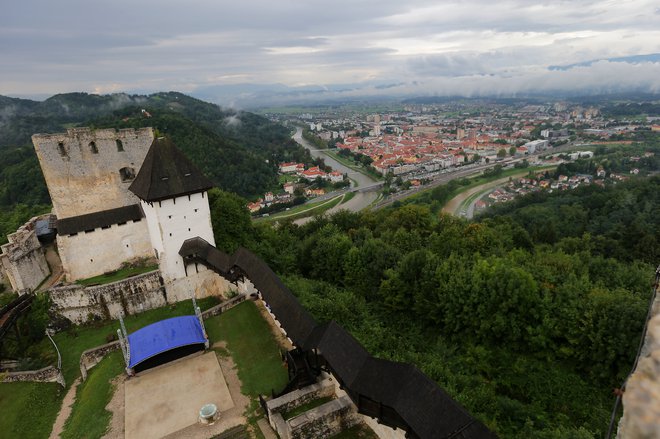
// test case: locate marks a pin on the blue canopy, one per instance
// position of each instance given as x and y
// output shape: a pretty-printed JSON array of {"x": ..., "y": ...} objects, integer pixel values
[{"x": 163, "y": 336}]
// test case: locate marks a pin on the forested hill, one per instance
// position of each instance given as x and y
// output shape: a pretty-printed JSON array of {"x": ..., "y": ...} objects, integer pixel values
[
  {"x": 238, "y": 150},
  {"x": 529, "y": 327}
]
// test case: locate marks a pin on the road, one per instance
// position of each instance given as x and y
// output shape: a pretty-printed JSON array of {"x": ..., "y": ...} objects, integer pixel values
[
  {"x": 364, "y": 199},
  {"x": 361, "y": 199}
]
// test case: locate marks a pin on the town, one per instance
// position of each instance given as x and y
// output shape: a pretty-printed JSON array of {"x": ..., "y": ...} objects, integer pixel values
[{"x": 416, "y": 143}]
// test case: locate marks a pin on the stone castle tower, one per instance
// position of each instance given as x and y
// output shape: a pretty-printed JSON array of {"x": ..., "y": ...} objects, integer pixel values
[
  {"x": 88, "y": 172},
  {"x": 173, "y": 196},
  {"x": 120, "y": 195}
]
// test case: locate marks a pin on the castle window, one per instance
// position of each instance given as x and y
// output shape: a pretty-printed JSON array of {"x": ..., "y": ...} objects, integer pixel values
[
  {"x": 60, "y": 149},
  {"x": 93, "y": 148},
  {"x": 120, "y": 146},
  {"x": 195, "y": 210},
  {"x": 127, "y": 174}
]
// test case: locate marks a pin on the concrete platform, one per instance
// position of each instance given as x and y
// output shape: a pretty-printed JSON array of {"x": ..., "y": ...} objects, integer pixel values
[{"x": 167, "y": 399}]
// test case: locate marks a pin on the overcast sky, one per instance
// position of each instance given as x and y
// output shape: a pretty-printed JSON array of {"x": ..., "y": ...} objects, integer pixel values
[{"x": 426, "y": 47}]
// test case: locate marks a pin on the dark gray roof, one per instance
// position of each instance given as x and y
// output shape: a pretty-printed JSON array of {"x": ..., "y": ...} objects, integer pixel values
[
  {"x": 427, "y": 410},
  {"x": 345, "y": 355},
  {"x": 167, "y": 173},
  {"x": 43, "y": 227},
  {"x": 104, "y": 218}
]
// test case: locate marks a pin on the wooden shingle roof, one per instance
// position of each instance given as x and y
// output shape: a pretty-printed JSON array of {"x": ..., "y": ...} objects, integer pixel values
[{"x": 167, "y": 173}]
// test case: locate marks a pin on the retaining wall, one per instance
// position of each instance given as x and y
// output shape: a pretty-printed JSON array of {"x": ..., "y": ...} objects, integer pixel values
[
  {"x": 92, "y": 357},
  {"x": 49, "y": 374},
  {"x": 81, "y": 304}
]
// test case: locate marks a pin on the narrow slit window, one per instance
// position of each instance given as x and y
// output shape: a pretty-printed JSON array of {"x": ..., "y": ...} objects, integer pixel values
[
  {"x": 93, "y": 148},
  {"x": 120, "y": 145},
  {"x": 61, "y": 149},
  {"x": 127, "y": 174}
]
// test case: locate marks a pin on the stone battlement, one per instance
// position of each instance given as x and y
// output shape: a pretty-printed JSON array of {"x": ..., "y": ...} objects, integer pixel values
[
  {"x": 89, "y": 170},
  {"x": 23, "y": 259}
]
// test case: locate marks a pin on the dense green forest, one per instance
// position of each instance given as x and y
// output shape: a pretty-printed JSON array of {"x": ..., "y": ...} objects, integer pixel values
[
  {"x": 239, "y": 151},
  {"x": 530, "y": 327}
]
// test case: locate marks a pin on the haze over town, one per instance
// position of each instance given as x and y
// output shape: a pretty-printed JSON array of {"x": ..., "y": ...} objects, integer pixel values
[{"x": 245, "y": 53}]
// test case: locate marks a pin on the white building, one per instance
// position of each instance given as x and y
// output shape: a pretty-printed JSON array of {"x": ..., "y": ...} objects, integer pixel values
[
  {"x": 536, "y": 145},
  {"x": 173, "y": 196}
]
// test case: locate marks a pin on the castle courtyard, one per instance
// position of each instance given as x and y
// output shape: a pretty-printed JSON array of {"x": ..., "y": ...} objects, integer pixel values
[{"x": 167, "y": 399}]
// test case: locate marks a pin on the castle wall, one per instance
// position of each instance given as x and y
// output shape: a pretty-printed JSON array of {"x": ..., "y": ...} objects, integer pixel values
[
  {"x": 91, "y": 253},
  {"x": 200, "y": 281},
  {"x": 641, "y": 400},
  {"x": 84, "y": 177},
  {"x": 129, "y": 296},
  {"x": 171, "y": 222},
  {"x": 23, "y": 259}
]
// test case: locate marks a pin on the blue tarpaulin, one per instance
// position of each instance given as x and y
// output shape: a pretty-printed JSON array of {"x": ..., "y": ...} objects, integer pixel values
[{"x": 163, "y": 336}]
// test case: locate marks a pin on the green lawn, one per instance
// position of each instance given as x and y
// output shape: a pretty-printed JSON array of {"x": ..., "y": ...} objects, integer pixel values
[
  {"x": 353, "y": 165},
  {"x": 114, "y": 276},
  {"x": 91, "y": 398},
  {"x": 28, "y": 410},
  {"x": 304, "y": 210},
  {"x": 357, "y": 432},
  {"x": 18, "y": 400},
  {"x": 249, "y": 341},
  {"x": 305, "y": 407},
  {"x": 253, "y": 348},
  {"x": 73, "y": 342},
  {"x": 347, "y": 197}
]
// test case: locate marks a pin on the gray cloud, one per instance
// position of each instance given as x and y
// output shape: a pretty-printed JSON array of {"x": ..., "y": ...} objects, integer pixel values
[{"x": 71, "y": 45}]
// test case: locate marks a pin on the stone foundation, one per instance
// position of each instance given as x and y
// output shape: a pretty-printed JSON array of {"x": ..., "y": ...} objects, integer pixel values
[
  {"x": 300, "y": 397},
  {"x": 205, "y": 283},
  {"x": 81, "y": 304},
  {"x": 320, "y": 422}
]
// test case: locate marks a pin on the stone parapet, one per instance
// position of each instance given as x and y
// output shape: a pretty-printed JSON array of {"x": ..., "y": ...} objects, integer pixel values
[
  {"x": 92, "y": 357},
  {"x": 49, "y": 374}
]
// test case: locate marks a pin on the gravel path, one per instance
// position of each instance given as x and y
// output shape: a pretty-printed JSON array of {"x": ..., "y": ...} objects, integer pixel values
[{"x": 65, "y": 411}]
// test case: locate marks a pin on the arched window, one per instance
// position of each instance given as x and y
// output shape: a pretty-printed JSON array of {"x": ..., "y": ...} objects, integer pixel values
[
  {"x": 93, "y": 148},
  {"x": 61, "y": 149},
  {"x": 127, "y": 174},
  {"x": 120, "y": 146}
]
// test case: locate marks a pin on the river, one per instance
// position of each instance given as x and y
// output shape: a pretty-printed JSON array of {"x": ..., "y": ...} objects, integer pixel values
[{"x": 361, "y": 199}]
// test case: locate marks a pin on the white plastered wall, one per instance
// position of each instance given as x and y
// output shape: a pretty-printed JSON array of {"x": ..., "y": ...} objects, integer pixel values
[
  {"x": 170, "y": 223},
  {"x": 90, "y": 254}
]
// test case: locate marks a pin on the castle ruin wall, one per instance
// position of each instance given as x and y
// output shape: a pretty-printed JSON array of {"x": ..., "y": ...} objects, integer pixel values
[
  {"x": 80, "y": 304},
  {"x": 200, "y": 281},
  {"x": 23, "y": 259},
  {"x": 88, "y": 170}
]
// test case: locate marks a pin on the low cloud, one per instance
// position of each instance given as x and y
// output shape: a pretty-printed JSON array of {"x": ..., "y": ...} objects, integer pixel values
[{"x": 433, "y": 47}]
